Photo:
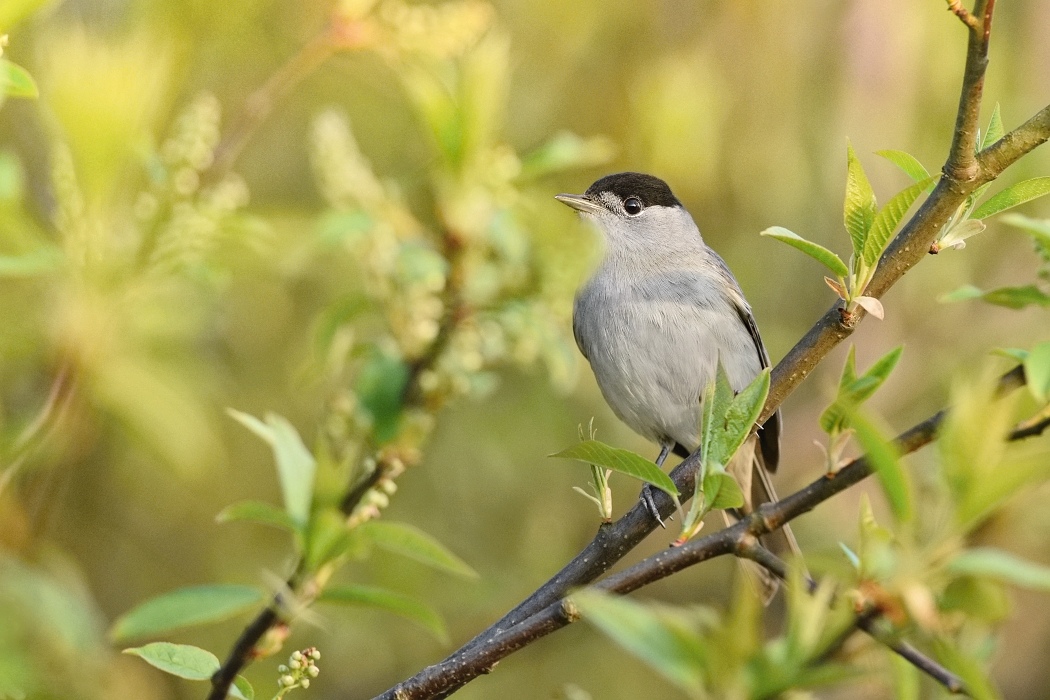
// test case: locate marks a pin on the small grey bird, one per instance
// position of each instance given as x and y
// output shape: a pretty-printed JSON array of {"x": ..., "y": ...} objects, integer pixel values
[{"x": 654, "y": 320}]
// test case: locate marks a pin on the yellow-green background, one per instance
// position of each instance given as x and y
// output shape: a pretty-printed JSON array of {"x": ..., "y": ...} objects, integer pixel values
[{"x": 744, "y": 107}]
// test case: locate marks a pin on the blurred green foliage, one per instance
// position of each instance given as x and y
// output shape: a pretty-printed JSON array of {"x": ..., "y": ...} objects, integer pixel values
[{"x": 386, "y": 245}]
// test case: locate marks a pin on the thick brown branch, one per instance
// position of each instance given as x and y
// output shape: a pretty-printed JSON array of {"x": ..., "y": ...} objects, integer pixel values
[{"x": 486, "y": 650}]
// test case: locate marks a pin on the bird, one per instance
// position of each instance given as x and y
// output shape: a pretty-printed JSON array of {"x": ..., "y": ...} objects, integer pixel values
[{"x": 656, "y": 317}]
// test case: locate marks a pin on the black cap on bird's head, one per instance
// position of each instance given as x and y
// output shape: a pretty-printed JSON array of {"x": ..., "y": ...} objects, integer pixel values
[
  {"x": 629, "y": 193},
  {"x": 652, "y": 191}
]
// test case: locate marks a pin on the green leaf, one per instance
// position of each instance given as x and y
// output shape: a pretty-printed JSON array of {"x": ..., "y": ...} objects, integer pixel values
[
  {"x": 906, "y": 162},
  {"x": 1037, "y": 371},
  {"x": 718, "y": 396},
  {"x": 15, "y": 81},
  {"x": 328, "y": 538},
  {"x": 566, "y": 151},
  {"x": 380, "y": 387},
  {"x": 1038, "y": 229},
  {"x": 816, "y": 251},
  {"x": 740, "y": 416},
  {"x": 258, "y": 512},
  {"x": 662, "y": 639},
  {"x": 959, "y": 233},
  {"x": 995, "y": 131},
  {"x": 721, "y": 491},
  {"x": 180, "y": 660},
  {"x": 854, "y": 390},
  {"x": 886, "y": 221},
  {"x": 860, "y": 204},
  {"x": 1013, "y": 196},
  {"x": 883, "y": 457},
  {"x": 411, "y": 542},
  {"x": 242, "y": 689},
  {"x": 390, "y": 601},
  {"x": 185, "y": 607},
  {"x": 1010, "y": 297},
  {"x": 622, "y": 461},
  {"x": 1002, "y": 566},
  {"x": 850, "y": 555},
  {"x": 295, "y": 465},
  {"x": 33, "y": 263},
  {"x": 1018, "y": 354}
]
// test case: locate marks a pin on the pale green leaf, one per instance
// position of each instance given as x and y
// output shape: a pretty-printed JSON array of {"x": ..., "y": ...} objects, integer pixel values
[
  {"x": 884, "y": 459},
  {"x": 411, "y": 542},
  {"x": 1037, "y": 371},
  {"x": 886, "y": 221},
  {"x": 258, "y": 512},
  {"x": 850, "y": 555},
  {"x": 741, "y": 415},
  {"x": 1013, "y": 196},
  {"x": 906, "y": 162},
  {"x": 380, "y": 389},
  {"x": 622, "y": 461},
  {"x": 814, "y": 250},
  {"x": 960, "y": 233},
  {"x": 872, "y": 305},
  {"x": 1010, "y": 297},
  {"x": 718, "y": 397},
  {"x": 995, "y": 131},
  {"x": 1002, "y": 566},
  {"x": 390, "y": 601},
  {"x": 662, "y": 640},
  {"x": 15, "y": 81},
  {"x": 860, "y": 203},
  {"x": 295, "y": 465},
  {"x": 180, "y": 660},
  {"x": 185, "y": 607},
  {"x": 855, "y": 390},
  {"x": 242, "y": 689},
  {"x": 1018, "y": 354},
  {"x": 566, "y": 151},
  {"x": 721, "y": 491},
  {"x": 1038, "y": 229}
]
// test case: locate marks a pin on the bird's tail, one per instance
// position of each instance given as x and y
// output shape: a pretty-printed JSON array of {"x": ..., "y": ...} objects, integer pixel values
[{"x": 749, "y": 470}]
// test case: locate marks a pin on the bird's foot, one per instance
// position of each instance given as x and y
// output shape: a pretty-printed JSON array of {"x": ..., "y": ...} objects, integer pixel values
[{"x": 650, "y": 505}]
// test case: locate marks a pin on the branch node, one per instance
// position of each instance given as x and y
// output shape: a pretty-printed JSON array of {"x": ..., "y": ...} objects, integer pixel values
[
  {"x": 569, "y": 611},
  {"x": 964, "y": 15}
]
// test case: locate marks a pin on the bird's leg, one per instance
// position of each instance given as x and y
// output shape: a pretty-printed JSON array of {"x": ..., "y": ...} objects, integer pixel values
[{"x": 647, "y": 490}]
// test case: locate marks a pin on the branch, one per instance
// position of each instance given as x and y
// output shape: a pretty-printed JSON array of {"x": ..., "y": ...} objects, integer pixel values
[
  {"x": 962, "y": 162},
  {"x": 482, "y": 654},
  {"x": 260, "y": 103},
  {"x": 865, "y": 621}
]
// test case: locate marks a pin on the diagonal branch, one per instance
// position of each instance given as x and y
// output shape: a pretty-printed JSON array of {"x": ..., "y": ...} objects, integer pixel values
[
  {"x": 865, "y": 621},
  {"x": 443, "y": 679}
]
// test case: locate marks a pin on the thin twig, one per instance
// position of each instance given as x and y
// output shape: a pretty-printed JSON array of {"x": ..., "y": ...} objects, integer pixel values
[
  {"x": 962, "y": 13},
  {"x": 59, "y": 396},
  {"x": 866, "y": 620},
  {"x": 260, "y": 104}
]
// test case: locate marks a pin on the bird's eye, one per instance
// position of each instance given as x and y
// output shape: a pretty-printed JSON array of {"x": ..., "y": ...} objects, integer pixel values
[{"x": 632, "y": 205}]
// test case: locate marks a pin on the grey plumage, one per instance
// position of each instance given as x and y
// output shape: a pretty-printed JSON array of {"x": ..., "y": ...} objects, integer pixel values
[{"x": 656, "y": 317}]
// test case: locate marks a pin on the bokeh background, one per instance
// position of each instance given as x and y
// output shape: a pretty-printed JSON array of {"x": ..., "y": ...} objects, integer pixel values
[{"x": 743, "y": 107}]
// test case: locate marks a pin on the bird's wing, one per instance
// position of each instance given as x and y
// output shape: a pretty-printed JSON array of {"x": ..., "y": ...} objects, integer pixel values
[
  {"x": 579, "y": 336},
  {"x": 769, "y": 434}
]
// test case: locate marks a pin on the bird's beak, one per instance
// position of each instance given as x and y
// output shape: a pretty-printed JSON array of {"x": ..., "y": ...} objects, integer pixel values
[{"x": 579, "y": 202}]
